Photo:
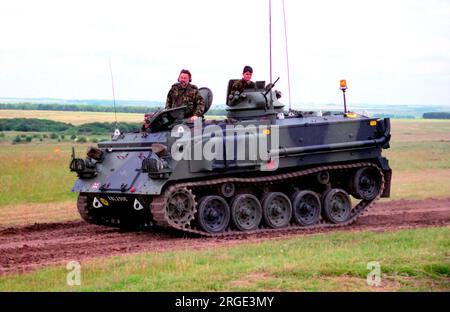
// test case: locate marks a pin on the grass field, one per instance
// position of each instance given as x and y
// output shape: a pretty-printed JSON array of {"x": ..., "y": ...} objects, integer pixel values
[
  {"x": 418, "y": 167},
  {"x": 409, "y": 260},
  {"x": 420, "y": 158},
  {"x": 32, "y": 173},
  {"x": 416, "y": 130},
  {"x": 75, "y": 118}
]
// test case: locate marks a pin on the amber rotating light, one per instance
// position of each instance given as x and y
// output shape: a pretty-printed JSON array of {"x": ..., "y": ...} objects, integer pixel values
[{"x": 343, "y": 86}]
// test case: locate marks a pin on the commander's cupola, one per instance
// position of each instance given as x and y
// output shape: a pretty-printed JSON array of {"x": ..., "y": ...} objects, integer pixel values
[{"x": 256, "y": 102}]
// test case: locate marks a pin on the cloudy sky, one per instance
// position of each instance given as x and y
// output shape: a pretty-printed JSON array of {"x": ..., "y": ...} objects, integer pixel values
[{"x": 390, "y": 51}]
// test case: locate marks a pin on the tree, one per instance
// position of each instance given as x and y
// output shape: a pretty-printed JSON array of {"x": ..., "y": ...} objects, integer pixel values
[
  {"x": 16, "y": 140},
  {"x": 436, "y": 115}
]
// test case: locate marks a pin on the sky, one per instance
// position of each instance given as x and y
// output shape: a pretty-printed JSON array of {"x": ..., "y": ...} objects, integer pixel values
[{"x": 392, "y": 52}]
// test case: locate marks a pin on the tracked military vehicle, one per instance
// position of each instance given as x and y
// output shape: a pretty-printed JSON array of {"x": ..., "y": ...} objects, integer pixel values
[{"x": 266, "y": 169}]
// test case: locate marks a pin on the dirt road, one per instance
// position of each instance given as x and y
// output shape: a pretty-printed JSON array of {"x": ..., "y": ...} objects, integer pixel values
[{"x": 30, "y": 247}]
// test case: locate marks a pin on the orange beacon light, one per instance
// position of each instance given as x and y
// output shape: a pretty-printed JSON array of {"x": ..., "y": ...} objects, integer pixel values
[{"x": 343, "y": 86}]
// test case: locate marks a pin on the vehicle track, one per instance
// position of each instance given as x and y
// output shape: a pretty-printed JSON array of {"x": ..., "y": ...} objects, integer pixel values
[{"x": 25, "y": 248}]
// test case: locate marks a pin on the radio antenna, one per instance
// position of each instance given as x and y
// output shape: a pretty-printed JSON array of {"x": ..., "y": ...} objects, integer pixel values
[
  {"x": 287, "y": 56},
  {"x": 114, "y": 96},
  {"x": 270, "y": 38}
]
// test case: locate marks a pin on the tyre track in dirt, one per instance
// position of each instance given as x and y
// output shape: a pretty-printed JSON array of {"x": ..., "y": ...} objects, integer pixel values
[{"x": 25, "y": 248}]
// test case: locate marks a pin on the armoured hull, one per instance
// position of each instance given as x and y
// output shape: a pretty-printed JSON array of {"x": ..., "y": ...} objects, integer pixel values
[{"x": 272, "y": 173}]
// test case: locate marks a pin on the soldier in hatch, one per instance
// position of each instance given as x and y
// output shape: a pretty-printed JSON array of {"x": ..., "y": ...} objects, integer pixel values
[
  {"x": 246, "y": 81},
  {"x": 185, "y": 93},
  {"x": 239, "y": 86}
]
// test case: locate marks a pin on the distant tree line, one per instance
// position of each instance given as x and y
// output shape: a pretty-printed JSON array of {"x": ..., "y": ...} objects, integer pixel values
[
  {"x": 78, "y": 108},
  {"x": 436, "y": 115},
  {"x": 394, "y": 116},
  {"x": 95, "y": 128},
  {"x": 92, "y": 108},
  {"x": 44, "y": 125},
  {"x": 32, "y": 124}
]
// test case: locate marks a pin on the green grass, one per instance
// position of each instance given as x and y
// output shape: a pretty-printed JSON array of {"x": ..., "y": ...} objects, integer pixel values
[
  {"x": 420, "y": 169},
  {"x": 32, "y": 173},
  {"x": 411, "y": 129},
  {"x": 8, "y": 137},
  {"x": 414, "y": 156},
  {"x": 410, "y": 260}
]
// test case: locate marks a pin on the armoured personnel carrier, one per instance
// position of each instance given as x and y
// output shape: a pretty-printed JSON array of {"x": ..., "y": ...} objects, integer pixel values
[{"x": 261, "y": 169}]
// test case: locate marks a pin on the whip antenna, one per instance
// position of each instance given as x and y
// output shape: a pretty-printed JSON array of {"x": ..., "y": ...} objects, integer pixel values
[
  {"x": 114, "y": 96},
  {"x": 270, "y": 38},
  {"x": 287, "y": 57}
]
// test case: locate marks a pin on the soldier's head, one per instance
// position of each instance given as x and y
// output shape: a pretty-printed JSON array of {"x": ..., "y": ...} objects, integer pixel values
[
  {"x": 247, "y": 73},
  {"x": 185, "y": 77}
]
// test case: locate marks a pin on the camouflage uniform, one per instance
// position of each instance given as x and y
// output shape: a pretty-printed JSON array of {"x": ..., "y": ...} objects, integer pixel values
[
  {"x": 189, "y": 96},
  {"x": 241, "y": 84}
]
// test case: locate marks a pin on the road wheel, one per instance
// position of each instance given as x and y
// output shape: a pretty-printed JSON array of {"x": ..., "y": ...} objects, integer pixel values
[
  {"x": 213, "y": 214},
  {"x": 277, "y": 209},
  {"x": 306, "y": 207},
  {"x": 337, "y": 206},
  {"x": 246, "y": 212}
]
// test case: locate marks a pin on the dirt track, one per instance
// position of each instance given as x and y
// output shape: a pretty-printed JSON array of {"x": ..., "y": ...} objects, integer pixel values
[{"x": 30, "y": 247}]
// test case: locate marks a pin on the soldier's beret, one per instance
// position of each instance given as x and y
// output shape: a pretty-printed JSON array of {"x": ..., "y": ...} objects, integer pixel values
[{"x": 247, "y": 69}]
